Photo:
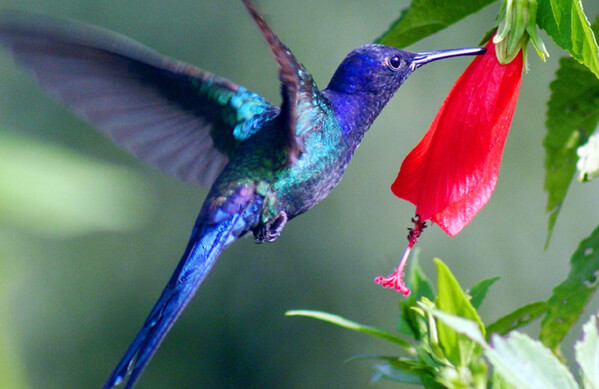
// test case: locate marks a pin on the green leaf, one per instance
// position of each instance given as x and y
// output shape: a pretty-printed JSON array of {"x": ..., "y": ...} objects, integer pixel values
[
  {"x": 497, "y": 382},
  {"x": 523, "y": 362},
  {"x": 566, "y": 23},
  {"x": 479, "y": 291},
  {"x": 351, "y": 325},
  {"x": 572, "y": 115},
  {"x": 526, "y": 364},
  {"x": 587, "y": 353},
  {"x": 388, "y": 372},
  {"x": 425, "y": 17},
  {"x": 518, "y": 318},
  {"x": 566, "y": 304},
  {"x": 396, "y": 369},
  {"x": 460, "y": 325},
  {"x": 417, "y": 281},
  {"x": 420, "y": 286},
  {"x": 454, "y": 301}
]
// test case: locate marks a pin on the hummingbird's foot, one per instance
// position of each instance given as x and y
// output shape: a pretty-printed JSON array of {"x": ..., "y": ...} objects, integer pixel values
[{"x": 271, "y": 229}]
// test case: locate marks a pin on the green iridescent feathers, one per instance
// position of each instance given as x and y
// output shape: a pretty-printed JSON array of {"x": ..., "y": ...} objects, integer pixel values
[{"x": 299, "y": 92}]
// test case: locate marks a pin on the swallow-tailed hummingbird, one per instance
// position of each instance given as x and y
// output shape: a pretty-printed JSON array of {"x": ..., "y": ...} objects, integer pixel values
[{"x": 265, "y": 164}]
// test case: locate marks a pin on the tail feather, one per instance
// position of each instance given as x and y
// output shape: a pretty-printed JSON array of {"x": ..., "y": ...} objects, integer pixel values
[
  {"x": 206, "y": 243},
  {"x": 178, "y": 292}
]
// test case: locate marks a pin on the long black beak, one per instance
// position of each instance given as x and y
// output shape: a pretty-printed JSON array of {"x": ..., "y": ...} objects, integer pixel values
[{"x": 430, "y": 56}]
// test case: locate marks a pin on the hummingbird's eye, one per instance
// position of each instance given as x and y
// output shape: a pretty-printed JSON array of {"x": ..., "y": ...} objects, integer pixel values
[{"x": 394, "y": 62}]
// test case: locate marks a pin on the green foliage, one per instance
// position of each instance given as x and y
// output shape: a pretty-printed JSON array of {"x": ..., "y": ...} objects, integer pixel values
[
  {"x": 442, "y": 356},
  {"x": 498, "y": 382},
  {"x": 408, "y": 323},
  {"x": 425, "y": 17},
  {"x": 394, "y": 373},
  {"x": 566, "y": 23},
  {"x": 350, "y": 325},
  {"x": 566, "y": 304},
  {"x": 526, "y": 364},
  {"x": 520, "y": 317},
  {"x": 572, "y": 115},
  {"x": 520, "y": 360},
  {"x": 479, "y": 291},
  {"x": 453, "y": 300},
  {"x": 449, "y": 349}
]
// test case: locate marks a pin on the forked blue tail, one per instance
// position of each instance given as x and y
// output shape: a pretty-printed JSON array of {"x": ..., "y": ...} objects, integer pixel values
[{"x": 214, "y": 231}]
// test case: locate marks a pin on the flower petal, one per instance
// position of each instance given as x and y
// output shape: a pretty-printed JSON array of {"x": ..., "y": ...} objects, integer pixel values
[{"x": 451, "y": 174}]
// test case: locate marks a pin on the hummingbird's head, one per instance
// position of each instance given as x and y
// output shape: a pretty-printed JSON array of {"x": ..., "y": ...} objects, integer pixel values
[{"x": 380, "y": 70}]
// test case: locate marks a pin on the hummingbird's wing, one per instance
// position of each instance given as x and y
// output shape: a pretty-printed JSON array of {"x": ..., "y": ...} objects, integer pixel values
[
  {"x": 183, "y": 120},
  {"x": 298, "y": 110}
]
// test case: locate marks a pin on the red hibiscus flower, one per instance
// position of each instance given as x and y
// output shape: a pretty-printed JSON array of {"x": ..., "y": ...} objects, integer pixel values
[{"x": 451, "y": 174}]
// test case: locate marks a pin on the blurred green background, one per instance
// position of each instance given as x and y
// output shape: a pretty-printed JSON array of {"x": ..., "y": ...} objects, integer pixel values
[{"x": 89, "y": 236}]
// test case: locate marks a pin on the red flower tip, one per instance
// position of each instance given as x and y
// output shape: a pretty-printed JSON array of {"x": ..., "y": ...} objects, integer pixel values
[{"x": 451, "y": 174}]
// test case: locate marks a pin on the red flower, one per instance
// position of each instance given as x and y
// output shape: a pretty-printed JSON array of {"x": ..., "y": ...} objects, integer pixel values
[{"x": 452, "y": 172}]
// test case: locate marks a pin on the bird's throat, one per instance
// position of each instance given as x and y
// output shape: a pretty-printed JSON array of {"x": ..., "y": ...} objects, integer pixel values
[{"x": 355, "y": 113}]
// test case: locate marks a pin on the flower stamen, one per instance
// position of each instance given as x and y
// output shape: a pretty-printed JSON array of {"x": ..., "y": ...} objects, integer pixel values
[{"x": 395, "y": 280}]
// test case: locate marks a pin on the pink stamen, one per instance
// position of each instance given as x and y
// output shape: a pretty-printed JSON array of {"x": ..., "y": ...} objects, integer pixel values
[{"x": 395, "y": 280}]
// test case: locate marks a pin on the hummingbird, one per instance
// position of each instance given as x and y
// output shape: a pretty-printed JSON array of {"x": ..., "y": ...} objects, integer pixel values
[{"x": 264, "y": 164}]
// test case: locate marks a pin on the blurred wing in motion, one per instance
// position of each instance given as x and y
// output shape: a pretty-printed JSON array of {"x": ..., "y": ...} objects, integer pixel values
[{"x": 170, "y": 114}]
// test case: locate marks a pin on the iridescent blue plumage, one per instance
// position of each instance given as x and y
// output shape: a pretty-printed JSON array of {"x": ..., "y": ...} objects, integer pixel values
[{"x": 266, "y": 164}]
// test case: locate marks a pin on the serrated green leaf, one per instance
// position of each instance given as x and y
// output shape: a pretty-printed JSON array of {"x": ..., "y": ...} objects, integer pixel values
[
  {"x": 526, "y": 364},
  {"x": 425, "y": 17},
  {"x": 523, "y": 362},
  {"x": 351, "y": 325},
  {"x": 479, "y": 291},
  {"x": 566, "y": 304},
  {"x": 587, "y": 353},
  {"x": 451, "y": 299},
  {"x": 420, "y": 286},
  {"x": 518, "y": 318},
  {"x": 566, "y": 23},
  {"x": 572, "y": 115}
]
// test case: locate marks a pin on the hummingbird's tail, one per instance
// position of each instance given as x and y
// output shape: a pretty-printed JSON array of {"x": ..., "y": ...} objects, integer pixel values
[{"x": 216, "y": 228}]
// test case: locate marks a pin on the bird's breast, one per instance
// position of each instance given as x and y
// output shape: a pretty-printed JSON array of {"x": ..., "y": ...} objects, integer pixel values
[{"x": 316, "y": 173}]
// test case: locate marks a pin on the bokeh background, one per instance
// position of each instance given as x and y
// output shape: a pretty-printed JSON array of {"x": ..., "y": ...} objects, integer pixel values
[{"x": 89, "y": 235}]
